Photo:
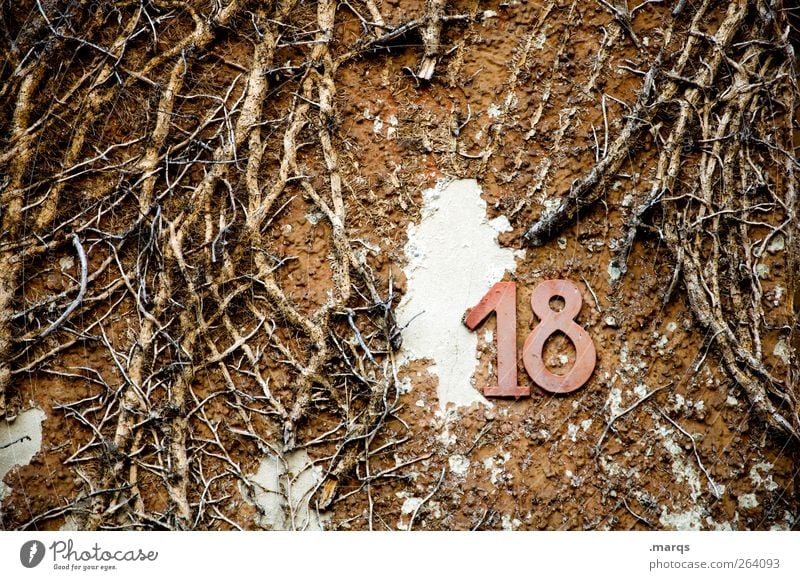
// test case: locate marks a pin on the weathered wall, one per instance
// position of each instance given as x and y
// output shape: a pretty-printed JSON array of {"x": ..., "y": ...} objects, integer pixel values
[{"x": 238, "y": 242}]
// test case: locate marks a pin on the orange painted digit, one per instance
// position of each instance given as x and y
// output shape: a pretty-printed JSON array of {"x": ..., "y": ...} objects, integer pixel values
[
  {"x": 552, "y": 321},
  {"x": 502, "y": 300}
]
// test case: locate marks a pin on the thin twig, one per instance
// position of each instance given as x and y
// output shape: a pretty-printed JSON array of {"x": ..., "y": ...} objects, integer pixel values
[
  {"x": 716, "y": 489},
  {"x": 426, "y": 498},
  {"x": 76, "y": 242},
  {"x": 611, "y": 421}
]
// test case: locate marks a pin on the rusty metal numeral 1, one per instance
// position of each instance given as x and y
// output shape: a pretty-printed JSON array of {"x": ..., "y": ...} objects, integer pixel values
[
  {"x": 551, "y": 322},
  {"x": 502, "y": 300}
]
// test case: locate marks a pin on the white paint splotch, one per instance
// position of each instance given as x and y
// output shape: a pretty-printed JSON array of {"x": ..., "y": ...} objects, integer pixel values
[
  {"x": 453, "y": 259},
  {"x": 282, "y": 489},
  {"x": 20, "y": 440}
]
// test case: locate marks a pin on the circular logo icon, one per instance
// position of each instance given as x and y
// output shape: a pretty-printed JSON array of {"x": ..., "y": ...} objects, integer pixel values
[{"x": 31, "y": 553}]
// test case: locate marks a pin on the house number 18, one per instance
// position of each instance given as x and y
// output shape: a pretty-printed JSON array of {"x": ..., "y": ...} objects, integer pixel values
[{"x": 502, "y": 300}]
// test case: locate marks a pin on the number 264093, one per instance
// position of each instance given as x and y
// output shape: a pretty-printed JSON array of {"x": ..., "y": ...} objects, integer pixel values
[{"x": 502, "y": 300}]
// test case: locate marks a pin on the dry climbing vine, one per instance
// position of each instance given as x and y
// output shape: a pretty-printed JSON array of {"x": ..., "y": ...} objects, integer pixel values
[
  {"x": 719, "y": 106},
  {"x": 172, "y": 231}
]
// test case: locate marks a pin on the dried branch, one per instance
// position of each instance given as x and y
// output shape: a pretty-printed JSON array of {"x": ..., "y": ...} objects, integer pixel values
[{"x": 76, "y": 242}]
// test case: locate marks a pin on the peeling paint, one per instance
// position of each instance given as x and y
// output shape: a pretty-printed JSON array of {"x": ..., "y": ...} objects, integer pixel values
[
  {"x": 781, "y": 350},
  {"x": 508, "y": 523},
  {"x": 614, "y": 401},
  {"x": 748, "y": 501},
  {"x": 494, "y": 111},
  {"x": 459, "y": 464},
  {"x": 760, "y": 476},
  {"x": 495, "y": 466},
  {"x": 572, "y": 432},
  {"x": 410, "y": 505},
  {"x": 681, "y": 468},
  {"x": 20, "y": 440},
  {"x": 691, "y": 520},
  {"x": 453, "y": 259},
  {"x": 283, "y": 489}
]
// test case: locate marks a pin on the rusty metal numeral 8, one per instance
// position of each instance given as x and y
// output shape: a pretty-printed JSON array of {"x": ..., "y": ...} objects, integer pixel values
[{"x": 551, "y": 322}]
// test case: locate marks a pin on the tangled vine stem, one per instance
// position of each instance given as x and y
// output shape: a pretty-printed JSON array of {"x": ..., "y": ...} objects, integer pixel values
[
  {"x": 724, "y": 133},
  {"x": 179, "y": 279}
]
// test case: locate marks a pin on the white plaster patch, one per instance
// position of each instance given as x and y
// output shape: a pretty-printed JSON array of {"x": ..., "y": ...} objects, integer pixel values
[
  {"x": 681, "y": 468},
  {"x": 283, "y": 491},
  {"x": 66, "y": 263},
  {"x": 458, "y": 464},
  {"x": 691, "y": 520},
  {"x": 20, "y": 440},
  {"x": 392, "y": 130},
  {"x": 453, "y": 260},
  {"x": 508, "y": 523},
  {"x": 696, "y": 518},
  {"x": 572, "y": 432},
  {"x": 614, "y": 401},
  {"x": 748, "y": 501},
  {"x": 778, "y": 244},
  {"x": 614, "y": 272},
  {"x": 410, "y": 505},
  {"x": 446, "y": 438},
  {"x": 781, "y": 350},
  {"x": 613, "y": 469},
  {"x": 574, "y": 480},
  {"x": 761, "y": 477},
  {"x": 541, "y": 38},
  {"x": 609, "y": 467},
  {"x": 495, "y": 466},
  {"x": 404, "y": 386}
]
